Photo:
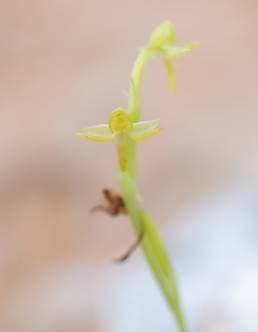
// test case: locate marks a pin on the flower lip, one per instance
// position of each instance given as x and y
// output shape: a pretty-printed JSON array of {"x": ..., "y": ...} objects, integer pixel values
[{"x": 119, "y": 121}]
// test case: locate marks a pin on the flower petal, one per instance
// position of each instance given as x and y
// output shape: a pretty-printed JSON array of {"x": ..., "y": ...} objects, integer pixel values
[
  {"x": 175, "y": 52},
  {"x": 144, "y": 129},
  {"x": 137, "y": 137},
  {"x": 100, "y": 133},
  {"x": 171, "y": 73},
  {"x": 193, "y": 44},
  {"x": 145, "y": 125}
]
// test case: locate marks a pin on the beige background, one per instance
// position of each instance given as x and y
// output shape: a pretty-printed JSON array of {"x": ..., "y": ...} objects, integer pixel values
[{"x": 66, "y": 64}]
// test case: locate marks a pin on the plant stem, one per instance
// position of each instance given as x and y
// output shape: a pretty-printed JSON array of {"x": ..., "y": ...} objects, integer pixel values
[
  {"x": 153, "y": 248},
  {"x": 134, "y": 104},
  {"x": 135, "y": 85},
  {"x": 152, "y": 245}
]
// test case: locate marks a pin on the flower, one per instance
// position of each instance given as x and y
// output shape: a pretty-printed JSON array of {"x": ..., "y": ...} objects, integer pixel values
[
  {"x": 124, "y": 130},
  {"x": 119, "y": 124},
  {"x": 162, "y": 43}
]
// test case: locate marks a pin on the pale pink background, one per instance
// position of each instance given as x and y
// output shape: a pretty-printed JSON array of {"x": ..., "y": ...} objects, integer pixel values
[{"x": 65, "y": 65}]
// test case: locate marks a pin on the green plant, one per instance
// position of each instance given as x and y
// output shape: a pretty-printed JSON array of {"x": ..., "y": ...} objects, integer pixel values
[{"x": 125, "y": 127}]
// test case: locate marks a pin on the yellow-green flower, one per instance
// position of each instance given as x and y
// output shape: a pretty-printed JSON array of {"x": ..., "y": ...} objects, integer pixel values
[
  {"x": 119, "y": 123},
  {"x": 123, "y": 129},
  {"x": 162, "y": 43}
]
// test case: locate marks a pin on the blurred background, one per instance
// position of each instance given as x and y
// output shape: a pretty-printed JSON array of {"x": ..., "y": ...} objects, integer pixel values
[{"x": 65, "y": 65}]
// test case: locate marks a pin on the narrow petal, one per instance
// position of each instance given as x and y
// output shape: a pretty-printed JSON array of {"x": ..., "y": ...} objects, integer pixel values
[
  {"x": 145, "y": 125},
  {"x": 137, "y": 137},
  {"x": 144, "y": 129},
  {"x": 171, "y": 73},
  {"x": 175, "y": 52},
  {"x": 193, "y": 44},
  {"x": 100, "y": 133}
]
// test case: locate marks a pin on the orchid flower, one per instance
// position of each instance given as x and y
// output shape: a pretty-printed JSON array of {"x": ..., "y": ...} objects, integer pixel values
[
  {"x": 163, "y": 43},
  {"x": 121, "y": 128}
]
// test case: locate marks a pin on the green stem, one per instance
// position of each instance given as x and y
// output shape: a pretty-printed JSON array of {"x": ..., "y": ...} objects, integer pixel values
[
  {"x": 135, "y": 85},
  {"x": 134, "y": 104},
  {"x": 153, "y": 248},
  {"x": 152, "y": 245}
]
